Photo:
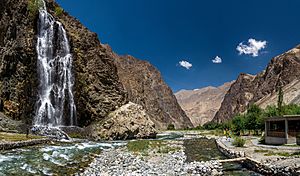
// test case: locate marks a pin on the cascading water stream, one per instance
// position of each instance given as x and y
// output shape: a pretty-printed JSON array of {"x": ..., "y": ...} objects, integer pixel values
[{"x": 55, "y": 106}]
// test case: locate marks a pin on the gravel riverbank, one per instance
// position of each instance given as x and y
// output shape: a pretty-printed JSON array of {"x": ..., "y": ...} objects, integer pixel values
[{"x": 123, "y": 162}]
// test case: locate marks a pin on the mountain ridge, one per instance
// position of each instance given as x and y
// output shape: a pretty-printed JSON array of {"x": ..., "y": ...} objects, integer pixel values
[
  {"x": 201, "y": 104},
  {"x": 248, "y": 89},
  {"x": 146, "y": 87}
]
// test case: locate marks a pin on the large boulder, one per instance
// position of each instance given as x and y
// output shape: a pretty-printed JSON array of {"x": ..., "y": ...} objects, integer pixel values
[
  {"x": 51, "y": 132},
  {"x": 9, "y": 125},
  {"x": 128, "y": 122}
]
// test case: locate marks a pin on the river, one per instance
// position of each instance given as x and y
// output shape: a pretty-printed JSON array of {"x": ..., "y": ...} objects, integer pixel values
[{"x": 69, "y": 158}]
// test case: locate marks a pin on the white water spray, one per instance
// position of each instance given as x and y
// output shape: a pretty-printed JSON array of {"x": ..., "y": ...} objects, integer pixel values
[{"x": 55, "y": 106}]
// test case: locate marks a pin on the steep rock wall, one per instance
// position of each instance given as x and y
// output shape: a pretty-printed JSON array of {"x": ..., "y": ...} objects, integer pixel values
[
  {"x": 281, "y": 71},
  {"x": 97, "y": 88}
]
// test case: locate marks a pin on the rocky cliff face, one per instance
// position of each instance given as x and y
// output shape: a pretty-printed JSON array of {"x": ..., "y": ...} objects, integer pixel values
[
  {"x": 145, "y": 87},
  {"x": 281, "y": 71},
  {"x": 98, "y": 90},
  {"x": 291, "y": 95},
  {"x": 18, "y": 74},
  {"x": 97, "y": 87},
  {"x": 201, "y": 105}
]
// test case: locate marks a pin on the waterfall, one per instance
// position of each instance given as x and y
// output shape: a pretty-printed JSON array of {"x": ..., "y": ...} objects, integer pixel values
[{"x": 55, "y": 105}]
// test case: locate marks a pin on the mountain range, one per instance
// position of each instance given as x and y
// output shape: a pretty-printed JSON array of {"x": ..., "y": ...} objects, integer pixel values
[
  {"x": 105, "y": 81},
  {"x": 223, "y": 103}
]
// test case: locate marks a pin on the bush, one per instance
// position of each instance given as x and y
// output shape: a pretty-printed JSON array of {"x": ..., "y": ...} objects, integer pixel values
[
  {"x": 58, "y": 11},
  {"x": 171, "y": 127},
  {"x": 239, "y": 142},
  {"x": 33, "y": 7},
  {"x": 211, "y": 126},
  {"x": 271, "y": 111}
]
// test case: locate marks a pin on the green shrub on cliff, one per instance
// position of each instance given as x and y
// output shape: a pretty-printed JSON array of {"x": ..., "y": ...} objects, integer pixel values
[
  {"x": 58, "y": 11},
  {"x": 171, "y": 127},
  {"x": 33, "y": 7}
]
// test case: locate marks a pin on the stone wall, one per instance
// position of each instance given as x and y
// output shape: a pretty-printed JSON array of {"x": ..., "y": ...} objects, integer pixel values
[{"x": 252, "y": 164}]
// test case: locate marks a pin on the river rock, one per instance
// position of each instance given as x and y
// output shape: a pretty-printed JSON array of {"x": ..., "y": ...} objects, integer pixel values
[
  {"x": 130, "y": 121},
  {"x": 51, "y": 132},
  {"x": 9, "y": 125}
]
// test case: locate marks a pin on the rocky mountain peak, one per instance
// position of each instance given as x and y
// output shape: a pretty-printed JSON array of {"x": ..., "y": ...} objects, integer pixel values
[
  {"x": 201, "y": 104},
  {"x": 145, "y": 86},
  {"x": 247, "y": 89}
]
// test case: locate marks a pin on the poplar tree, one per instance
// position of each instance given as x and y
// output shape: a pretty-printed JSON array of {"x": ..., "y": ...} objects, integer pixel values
[{"x": 280, "y": 100}]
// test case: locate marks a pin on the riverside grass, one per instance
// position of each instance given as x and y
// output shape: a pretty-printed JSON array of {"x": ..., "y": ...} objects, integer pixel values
[
  {"x": 144, "y": 146},
  {"x": 13, "y": 137},
  {"x": 285, "y": 154}
]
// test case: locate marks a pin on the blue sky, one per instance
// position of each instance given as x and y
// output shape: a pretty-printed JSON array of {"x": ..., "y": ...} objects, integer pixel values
[{"x": 165, "y": 32}]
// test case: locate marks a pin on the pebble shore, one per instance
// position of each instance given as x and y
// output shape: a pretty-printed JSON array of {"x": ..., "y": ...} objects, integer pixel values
[{"x": 122, "y": 162}]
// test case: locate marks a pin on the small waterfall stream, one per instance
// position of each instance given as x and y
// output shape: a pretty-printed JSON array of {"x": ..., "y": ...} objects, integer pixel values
[{"x": 55, "y": 106}]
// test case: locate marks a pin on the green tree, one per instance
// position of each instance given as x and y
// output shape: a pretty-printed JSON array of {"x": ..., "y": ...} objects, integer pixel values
[
  {"x": 280, "y": 100},
  {"x": 271, "y": 111},
  {"x": 238, "y": 124},
  {"x": 253, "y": 118},
  {"x": 210, "y": 125},
  {"x": 291, "y": 109}
]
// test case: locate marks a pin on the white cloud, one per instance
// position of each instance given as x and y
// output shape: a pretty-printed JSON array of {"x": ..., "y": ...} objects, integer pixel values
[
  {"x": 217, "y": 60},
  {"x": 253, "y": 47},
  {"x": 185, "y": 64}
]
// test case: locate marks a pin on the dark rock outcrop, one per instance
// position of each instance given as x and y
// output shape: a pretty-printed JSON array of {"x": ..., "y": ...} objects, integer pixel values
[
  {"x": 97, "y": 87},
  {"x": 145, "y": 86},
  {"x": 248, "y": 89},
  {"x": 98, "y": 90},
  {"x": 18, "y": 73},
  {"x": 100, "y": 75}
]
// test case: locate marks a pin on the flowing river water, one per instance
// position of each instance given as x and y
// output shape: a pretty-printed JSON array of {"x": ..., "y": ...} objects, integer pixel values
[
  {"x": 62, "y": 159},
  {"x": 202, "y": 149},
  {"x": 69, "y": 158}
]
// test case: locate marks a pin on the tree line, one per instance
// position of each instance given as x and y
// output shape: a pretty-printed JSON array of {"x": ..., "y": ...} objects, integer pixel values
[{"x": 253, "y": 119}]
